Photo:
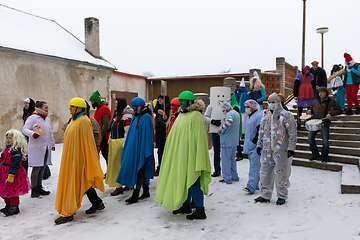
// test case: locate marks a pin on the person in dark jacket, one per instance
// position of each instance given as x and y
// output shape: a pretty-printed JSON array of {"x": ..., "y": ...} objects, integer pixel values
[
  {"x": 323, "y": 107},
  {"x": 319, "y": 76},
  {"x": 282, "y": 99},
  {"x": 161, "y": 117},
  {"x": 29, "y": 108}
]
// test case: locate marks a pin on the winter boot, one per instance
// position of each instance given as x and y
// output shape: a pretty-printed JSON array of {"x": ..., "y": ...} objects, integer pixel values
[
  {"x": 145, "y": 193},
  {"x": 280, "y": 201},
  {"x": 134, "y": 197},
  {"x": 261, "y": 199},
  {"x": 6, "y": 208},
  {"x": 95, "y": 207},
  {"x": 14, "y": 209},
  {"x": 62, "y": 220},
  {"x": 42, "y": 191},
  {"x": 185, "y": 208},
  {"x": 349, "y": 112},
  {"x": 198, "y": 214},
  {"x": 357, "y": 111},
  {"x": 35, "y": 193},
  {"x": 117, "y": 191}
]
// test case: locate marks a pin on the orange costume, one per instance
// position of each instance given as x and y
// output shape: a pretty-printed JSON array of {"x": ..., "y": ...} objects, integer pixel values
[{"x": 80, "y": 167}]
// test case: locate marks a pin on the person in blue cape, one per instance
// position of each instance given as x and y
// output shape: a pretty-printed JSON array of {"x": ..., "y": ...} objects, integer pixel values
[{"x": 137, "y": 159}]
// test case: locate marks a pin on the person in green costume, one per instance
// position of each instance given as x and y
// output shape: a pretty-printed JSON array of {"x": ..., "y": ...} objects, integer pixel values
[
  {"x": 185, "y": 171},
  {"x": 235, "y": 105}
]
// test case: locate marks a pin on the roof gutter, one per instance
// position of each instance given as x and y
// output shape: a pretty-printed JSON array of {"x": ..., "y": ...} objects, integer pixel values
[{"x": 57, "y": 58}]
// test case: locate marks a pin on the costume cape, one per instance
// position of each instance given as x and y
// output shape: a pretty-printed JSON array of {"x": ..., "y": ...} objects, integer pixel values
[
  {"x": 138, "y": 151},
  {"x": 185, "y": 159},
  {"x": 114, "y": 161},
  {"x": 80, "y": 167}
]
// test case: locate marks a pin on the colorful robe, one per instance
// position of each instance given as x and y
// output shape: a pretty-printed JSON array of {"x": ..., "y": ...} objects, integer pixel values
[
  {"x": 185, "y": 159},
  {"x": 137, "y": 152},
  {"x": 80, "y": 167}
]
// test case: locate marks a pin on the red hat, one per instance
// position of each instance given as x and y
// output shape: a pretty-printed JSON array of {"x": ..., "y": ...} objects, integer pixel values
[
  {"x": 315, "y": 63},
  {"x": 175, "y": 101},
  {"x": 347, "y": 57}
]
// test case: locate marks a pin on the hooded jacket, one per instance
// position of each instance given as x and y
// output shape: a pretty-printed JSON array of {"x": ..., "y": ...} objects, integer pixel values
[{"x": 277, "y": 134}]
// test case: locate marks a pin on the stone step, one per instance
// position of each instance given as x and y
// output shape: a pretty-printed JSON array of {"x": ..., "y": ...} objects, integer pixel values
[
  {"x": 317, "y": 165},
  {"x": 331, "y": 158},
  {"x": 344, "y": 144},
  {"x": 344, "y": 130},
  {"x": 342, "y": 117},
  {"x": 333, "y": 136},
  {"x": 345, "y": 124},
  {"x": 334, "y": 150},
  {"x": 350, "y": 180}
]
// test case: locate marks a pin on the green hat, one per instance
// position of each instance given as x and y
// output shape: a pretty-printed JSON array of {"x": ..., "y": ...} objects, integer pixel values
[
  {"x": 95, "y": 97},
  {"x": 233, "y": 101},
  {"x": 186, "y": 95}
]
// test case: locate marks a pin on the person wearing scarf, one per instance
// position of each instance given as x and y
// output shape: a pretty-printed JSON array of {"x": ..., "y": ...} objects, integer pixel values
[{"x": 41, "y": 142}]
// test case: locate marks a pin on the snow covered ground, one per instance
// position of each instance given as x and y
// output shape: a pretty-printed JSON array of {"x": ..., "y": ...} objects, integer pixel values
[{"x": 315, "y": 210}]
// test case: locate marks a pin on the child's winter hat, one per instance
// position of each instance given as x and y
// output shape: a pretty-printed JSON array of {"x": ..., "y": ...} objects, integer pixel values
[
  {"x": 95, "y": 97},
  {"x": 349, "y": 59},
  {"x": 323, "y": 89},
  {"x": 242, "y": 84}
]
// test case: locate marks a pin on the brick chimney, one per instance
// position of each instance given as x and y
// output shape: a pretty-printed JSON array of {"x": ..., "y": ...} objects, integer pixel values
[{"x": 92, "y": 37}]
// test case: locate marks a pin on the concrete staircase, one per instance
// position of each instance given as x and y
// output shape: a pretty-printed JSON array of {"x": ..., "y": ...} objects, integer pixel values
[{"x": 344, "y": 152}]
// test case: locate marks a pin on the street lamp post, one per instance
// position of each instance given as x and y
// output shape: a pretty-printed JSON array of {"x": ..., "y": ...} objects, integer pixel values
[
  {"x": 322, "y": 31},
  {"x": 303, "y": 37}
]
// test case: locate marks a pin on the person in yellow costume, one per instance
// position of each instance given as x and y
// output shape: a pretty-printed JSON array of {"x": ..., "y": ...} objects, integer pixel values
[{"x": 80, "y": 170}]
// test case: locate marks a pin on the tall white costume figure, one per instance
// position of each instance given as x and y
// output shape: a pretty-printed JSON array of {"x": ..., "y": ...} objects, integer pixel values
[{"x": 215, "y": 118}]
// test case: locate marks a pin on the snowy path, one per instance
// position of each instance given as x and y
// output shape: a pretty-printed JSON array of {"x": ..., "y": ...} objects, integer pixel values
[{"x": 315, "y": 210}]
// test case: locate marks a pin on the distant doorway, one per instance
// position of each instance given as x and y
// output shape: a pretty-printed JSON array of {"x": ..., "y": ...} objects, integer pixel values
[{"x": 119, "y": 94}]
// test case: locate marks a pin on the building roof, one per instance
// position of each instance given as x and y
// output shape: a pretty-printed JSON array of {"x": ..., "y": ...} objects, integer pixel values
[
  {"x": 32, "y": 34},
  {"x": 216, "y": 75},
  {"x": 130, "y": 75}
]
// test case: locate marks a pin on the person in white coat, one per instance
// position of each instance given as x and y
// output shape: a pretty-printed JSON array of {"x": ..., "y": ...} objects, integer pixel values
[{"x": 41, "y": 142}]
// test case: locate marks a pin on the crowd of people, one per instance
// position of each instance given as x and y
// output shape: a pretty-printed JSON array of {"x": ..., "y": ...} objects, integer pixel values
[{"x": 126, "y": 140}]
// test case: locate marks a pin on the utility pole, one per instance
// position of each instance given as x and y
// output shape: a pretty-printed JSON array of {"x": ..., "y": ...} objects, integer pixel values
[{"x": 303, "y": 37}]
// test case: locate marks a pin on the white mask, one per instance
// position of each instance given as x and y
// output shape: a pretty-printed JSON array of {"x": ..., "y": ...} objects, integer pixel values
[{"x": 248, "y": 110}]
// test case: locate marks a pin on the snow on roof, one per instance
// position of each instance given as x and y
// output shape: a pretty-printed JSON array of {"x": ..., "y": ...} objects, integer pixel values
[{"x": 26, "y": 32}]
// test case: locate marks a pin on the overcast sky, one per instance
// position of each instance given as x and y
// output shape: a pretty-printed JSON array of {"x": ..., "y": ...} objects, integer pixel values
[{"x": 169, "y": 38}]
